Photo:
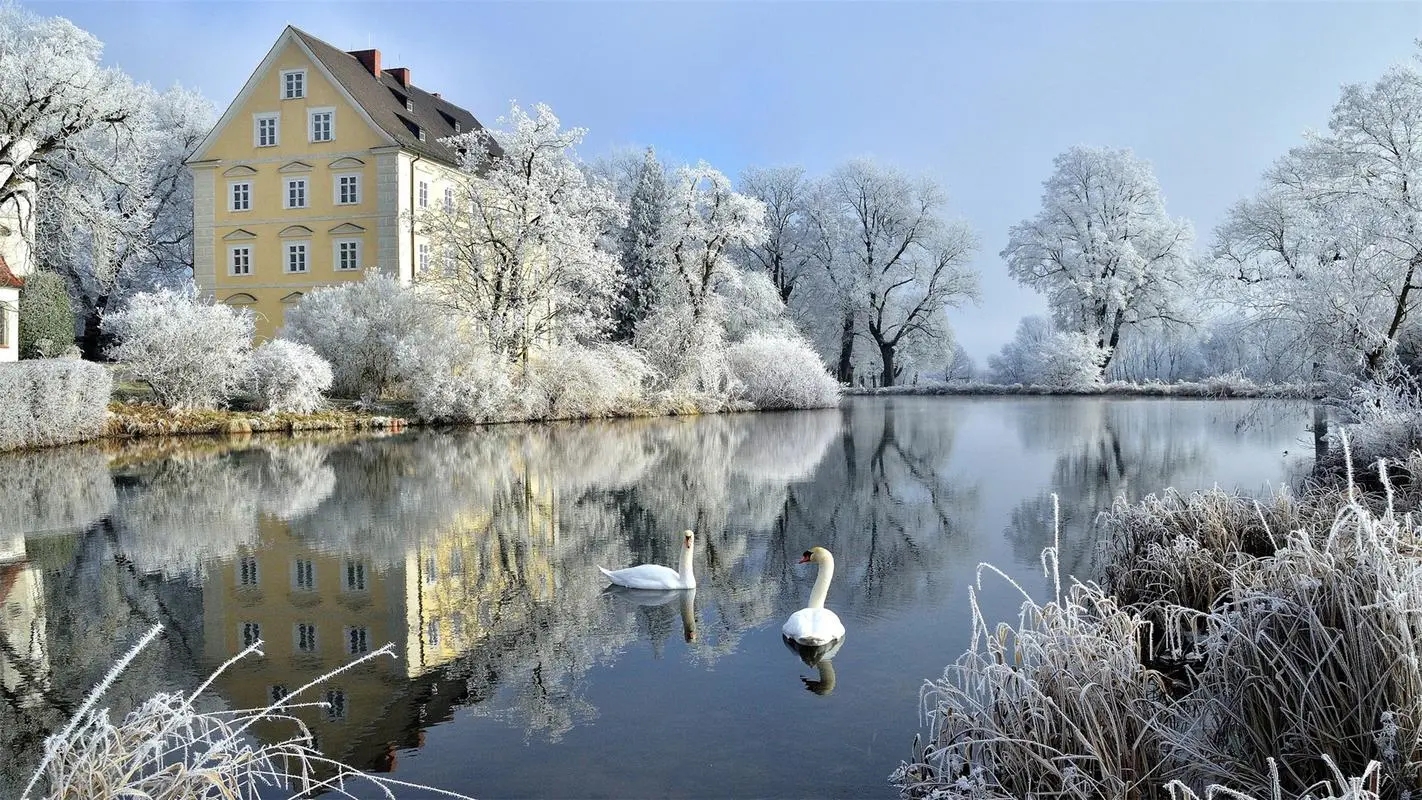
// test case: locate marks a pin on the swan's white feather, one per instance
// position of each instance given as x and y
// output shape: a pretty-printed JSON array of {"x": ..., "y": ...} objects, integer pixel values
[
  {"x": 648, "y": 576},
  {"x": 813, "y": 627}
]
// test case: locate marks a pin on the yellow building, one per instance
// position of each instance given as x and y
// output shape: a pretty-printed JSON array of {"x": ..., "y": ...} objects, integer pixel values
[{"x": 310, "y": 176}]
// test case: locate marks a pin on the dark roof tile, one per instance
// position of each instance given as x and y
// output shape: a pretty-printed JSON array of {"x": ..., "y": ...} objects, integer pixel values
[{"x": 381, "y": 99}]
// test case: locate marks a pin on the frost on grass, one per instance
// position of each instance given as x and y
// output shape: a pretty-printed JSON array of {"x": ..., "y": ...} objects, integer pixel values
[
  {"x": 1271, "y": 648},
  {"x": 166, "y": 749}
]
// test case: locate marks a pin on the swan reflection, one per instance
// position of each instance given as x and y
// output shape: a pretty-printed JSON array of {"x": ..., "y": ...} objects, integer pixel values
[
  {"x": 821, "y": 658},
  {"x": 657, "y": 598}
]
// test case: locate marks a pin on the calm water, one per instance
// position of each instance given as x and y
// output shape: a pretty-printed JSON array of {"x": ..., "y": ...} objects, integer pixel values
[{"x": 474, "y": 552}]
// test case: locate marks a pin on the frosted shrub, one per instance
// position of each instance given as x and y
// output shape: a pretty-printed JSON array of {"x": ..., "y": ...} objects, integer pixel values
[
  {"x": 358, "y": 327},
  {"x": 452, "y": 375},
  {"x": 571, "y": 381},
  {"x": 52, "y": 401},
  {"x": 781, "y": 372},
  {"x": 193, "y": 354},
  {"x": 1230, "y": 384},
  {"x": 690, "y": 355},
  {"x": 1071, "y": 361},
  {"x": 46, "y": 316},
  {"x": 288, "y": 376}
]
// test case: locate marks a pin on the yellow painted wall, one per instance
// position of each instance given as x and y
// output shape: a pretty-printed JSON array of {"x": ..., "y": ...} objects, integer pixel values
[{"x": 235, "y": 147}]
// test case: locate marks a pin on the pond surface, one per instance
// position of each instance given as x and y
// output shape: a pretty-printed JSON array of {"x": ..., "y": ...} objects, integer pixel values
[{"x": 474, "y": 552}]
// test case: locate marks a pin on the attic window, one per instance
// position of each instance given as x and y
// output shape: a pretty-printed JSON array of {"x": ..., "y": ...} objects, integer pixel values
[
  {"x": 422, "y": 134},
  {"x": 409, "y": 104},
  {"x": 457, "y": 127}
]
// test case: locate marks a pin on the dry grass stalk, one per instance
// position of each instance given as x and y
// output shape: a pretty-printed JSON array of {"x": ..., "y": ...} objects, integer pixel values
[{"x": 168, "y": 750}]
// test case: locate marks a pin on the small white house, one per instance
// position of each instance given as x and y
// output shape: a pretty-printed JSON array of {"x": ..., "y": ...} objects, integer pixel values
[{"x": 16, "y": 233}]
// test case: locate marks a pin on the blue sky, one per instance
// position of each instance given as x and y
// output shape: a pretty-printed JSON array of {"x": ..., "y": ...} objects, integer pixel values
[{"x": 980, "y": 95}]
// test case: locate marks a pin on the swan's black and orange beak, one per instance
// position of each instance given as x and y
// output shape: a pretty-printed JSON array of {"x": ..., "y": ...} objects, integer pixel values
[{"x": 804, "y": 559}]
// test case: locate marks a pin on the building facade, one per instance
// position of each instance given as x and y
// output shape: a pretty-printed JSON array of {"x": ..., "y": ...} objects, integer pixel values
[
  {"x": 17, "y": 221},
  {"x": 310, "y": 177}
]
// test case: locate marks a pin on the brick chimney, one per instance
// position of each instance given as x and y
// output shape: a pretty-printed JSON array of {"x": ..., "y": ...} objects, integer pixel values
[
  {"x": 370, "y": 59},
  {"x": 401, "y": 74}
]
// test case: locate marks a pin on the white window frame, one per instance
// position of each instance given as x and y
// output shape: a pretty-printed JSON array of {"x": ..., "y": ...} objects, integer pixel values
[
  {"x": 448, "y": 199},
  {"x": 285, "y": 92},
  {"x": 423, "y": 258},
  {"x": 232, "y": 187},
  {"x": 311, "y": 114},
  {"x": 357, "y": 640},
  {"x": 424, "y": 194},
  {"x": 305, "y": 632},
  {"x": 336, "y": 255},
  {"x": 303, "y": 575},
  {"x": 248, "y": 566},
  {"x": 355, "y": 578},
  {"x": 249, "y": 633},
  {"x": 305, "y": 193},
  {"x": 246, "y": 250},
  {"x": 337, "y": 705},
  {"x": 290, "y": 248},
  {"x": 336, "y": 188},
  {"x": 257, "y": 120}
]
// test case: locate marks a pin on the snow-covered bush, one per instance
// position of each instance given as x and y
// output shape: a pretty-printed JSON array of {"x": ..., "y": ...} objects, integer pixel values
[
  {"x": 453, "y": 375},
  {"x": 52, "y": 401},
  {"x": 289, "y": 376},
  {"x": 193, "y": 354},
  {"x": 358, "y": 327},
  {"x": 781, "y": 372},
  {"x": 1071, "y": 360},
  {"x": 572, "y": 381},
  {"x": 46, "y": 316},
  {"x": 689, "y": 354},
  {"x": 1231, "y": 384}
]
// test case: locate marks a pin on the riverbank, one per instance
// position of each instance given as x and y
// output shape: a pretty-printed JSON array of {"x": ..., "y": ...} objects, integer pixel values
[{"x": 1227, "y": 387}]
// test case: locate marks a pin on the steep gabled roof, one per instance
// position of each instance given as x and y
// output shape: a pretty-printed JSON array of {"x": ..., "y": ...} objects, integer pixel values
[
  {"x": 8, "y": 279},
  {"x": 383, "y": 98}
]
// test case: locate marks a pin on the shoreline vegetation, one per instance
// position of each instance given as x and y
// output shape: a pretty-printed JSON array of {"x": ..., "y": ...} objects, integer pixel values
[
  {"x": 1226, "y": 386},
  {"x": 1223, "y": 646}
]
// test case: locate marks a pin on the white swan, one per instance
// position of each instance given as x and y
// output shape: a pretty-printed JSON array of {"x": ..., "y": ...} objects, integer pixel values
[
  {"x": 815, "y": 625},
  {"x": 656, "y": 576}
]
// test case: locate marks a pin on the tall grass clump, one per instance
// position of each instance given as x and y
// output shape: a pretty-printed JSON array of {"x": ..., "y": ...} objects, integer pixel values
[
  {"x": 166, "y": 749},
  {"x": 1268, "y": 647}
]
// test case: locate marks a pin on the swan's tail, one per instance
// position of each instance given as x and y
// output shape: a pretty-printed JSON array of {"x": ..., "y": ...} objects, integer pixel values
[{"x": 605, "y": 572}]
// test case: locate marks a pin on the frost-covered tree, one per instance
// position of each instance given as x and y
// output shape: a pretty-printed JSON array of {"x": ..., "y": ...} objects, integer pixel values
[
  {"x": 520, "y": 244},
  {"x": 359, "y": 328},
  {"x": 787, "y": 253},
  {"x": 961, "y": 366},
  {"x": 1102, "y": 249},
  {"x": 52, "y": 89},
  {"x": 1332, "y": 241},
  {"x": 116, "y": 204},
  {"x": 708, "y": 223},
  {"x": 895, "y": 263},
  {"x": 193, "y": 354},
  {"x": 646, "y": 210},
  {"x": 1017, "y": 362}
]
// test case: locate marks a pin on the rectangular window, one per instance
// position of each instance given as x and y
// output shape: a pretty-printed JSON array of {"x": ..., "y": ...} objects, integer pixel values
[
  {"x": 355, "y": 576},
  {"x": 278, "y": 692},
  {"x": 251, "y": 633},
  {"x": 335, "y": 704},
  {"x": 424, "y": 194},
  {"x": 448, "y": 199},
  {"x": 322, "y": 124},
  {"x": 293, "y": 84},
  {"x": 456, "y": 563},
  {"x": 296, "y": 193},
  {"x": 4, "y": 326},
  {"x": 424, "y": 262},
  {"x": 431, "y": 568},
  {"x": 347, "y": 189},
  {"x": 357, "y": 640},
  {"x": 304, "y": 574},
  {"x": 296, "y": 256},
  {"x": 240, "y": 262},
  {"x": 457, "y": 621},
  {"x": 306, "y": 637},
  {"x": 266, "y": 129},
  {"x": 347, "y": 255},
  {"x": 433, "y": 633},
  {"x": 247, "y": 571},
  {"x": 241, "y": 197}
]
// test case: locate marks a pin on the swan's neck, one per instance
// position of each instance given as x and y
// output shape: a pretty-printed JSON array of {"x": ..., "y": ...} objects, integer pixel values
[
  {"x": 822, "y": 582},
  {"x": 685, "y": 571}
]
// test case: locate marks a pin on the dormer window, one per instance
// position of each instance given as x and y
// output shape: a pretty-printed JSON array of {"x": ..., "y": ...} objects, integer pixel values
[
  {"x": 457, "y": 127},
  {"x": 422, "y": 134},
  {"x": 409, "y": 104},
  {"x": 293, "y": 84}
]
